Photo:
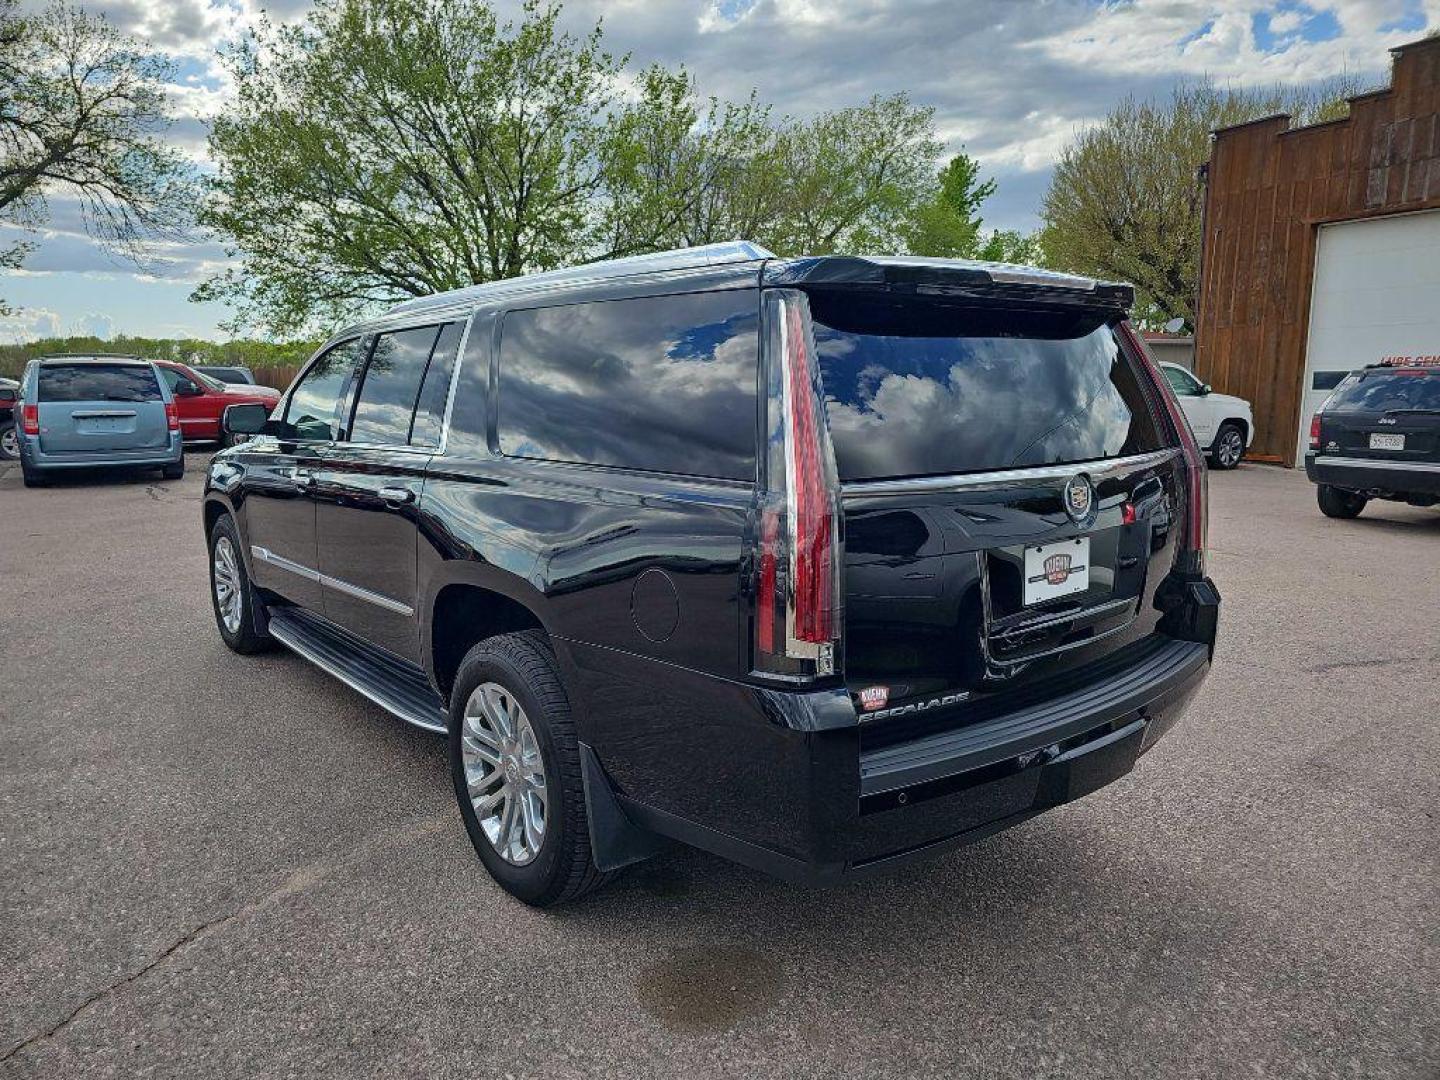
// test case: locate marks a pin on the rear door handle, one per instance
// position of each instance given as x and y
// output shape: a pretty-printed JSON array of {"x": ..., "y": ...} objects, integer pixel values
[{"x": 396, "y": 496}]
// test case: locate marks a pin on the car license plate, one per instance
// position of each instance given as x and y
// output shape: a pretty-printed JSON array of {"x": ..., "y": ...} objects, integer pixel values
[
  {"x": 1058, "y": 569},
  {"x": 1383, "y": 440},
  {"x": 101, "y": 425}
]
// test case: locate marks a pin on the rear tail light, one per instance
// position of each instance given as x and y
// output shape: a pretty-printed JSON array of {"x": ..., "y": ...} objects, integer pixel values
[
  {"x": 172, "y": 416},
  {"x": 797, "y": 581},
  {"x": 30, "y": 420},
  {"x": 1315, "y": 432},
  {"x": 1197, "y": 480}
]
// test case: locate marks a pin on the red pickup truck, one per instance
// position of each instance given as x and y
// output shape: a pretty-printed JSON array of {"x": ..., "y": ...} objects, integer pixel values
[{"x": 201, "y": 400}]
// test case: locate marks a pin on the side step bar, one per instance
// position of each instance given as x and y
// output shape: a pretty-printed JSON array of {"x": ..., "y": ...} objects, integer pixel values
[{"x": 393, "y": 684}]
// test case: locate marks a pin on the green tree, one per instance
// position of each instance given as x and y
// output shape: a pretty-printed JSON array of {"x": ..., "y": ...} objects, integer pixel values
[
  {"x": 948, "y": 224},
  {"x": 82, "y": 113},
  {"x": 1124, "y": 201}
]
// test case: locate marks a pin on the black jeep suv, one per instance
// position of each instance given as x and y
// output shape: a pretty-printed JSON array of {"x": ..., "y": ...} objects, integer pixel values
[
  {"x": 1378, "y": 437},
  {"x": 814, "y": 563}
]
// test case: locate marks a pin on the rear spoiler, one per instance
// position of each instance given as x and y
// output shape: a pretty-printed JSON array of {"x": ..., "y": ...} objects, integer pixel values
[{"x": 946, "y": 277}]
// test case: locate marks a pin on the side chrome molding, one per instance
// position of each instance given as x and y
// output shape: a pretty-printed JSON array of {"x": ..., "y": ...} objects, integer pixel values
[{"x": 267, "y": 556}]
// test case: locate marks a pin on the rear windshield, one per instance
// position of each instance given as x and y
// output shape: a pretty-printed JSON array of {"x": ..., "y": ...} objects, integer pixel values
[
  {"x": 920, "y": 388},
  {"x": 98, "y": 382},
  {"x": 1388, "y": 391}
]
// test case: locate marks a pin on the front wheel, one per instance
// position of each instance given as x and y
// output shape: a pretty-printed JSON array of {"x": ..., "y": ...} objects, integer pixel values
[
  {"x": 1229, "y": 446},
  {"x": 1338, "y": 503},
  {"x": 515, "y": 763},
  {"x": 230, "y": 592}
]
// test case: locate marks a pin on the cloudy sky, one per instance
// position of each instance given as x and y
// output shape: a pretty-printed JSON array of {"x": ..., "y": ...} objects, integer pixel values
[{"x": 1011, "y": 80}]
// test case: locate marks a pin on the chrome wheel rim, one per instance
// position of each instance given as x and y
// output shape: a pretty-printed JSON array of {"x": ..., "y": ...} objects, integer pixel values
[
  {"x": 504, "y": 773},
  {"x": 225, "y": 573},
  {"x": 10, "y": 443},
  {"x": 1231, "y": 448}
]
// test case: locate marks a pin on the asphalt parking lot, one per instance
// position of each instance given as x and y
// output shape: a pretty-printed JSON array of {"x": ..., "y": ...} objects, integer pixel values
[{"x": 224, "y": 867}]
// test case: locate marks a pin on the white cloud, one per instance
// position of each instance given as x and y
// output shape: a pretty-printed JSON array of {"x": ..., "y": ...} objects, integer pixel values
[
  {"x": 28, "y": 324},
  {"x": 95, "y": 324}
]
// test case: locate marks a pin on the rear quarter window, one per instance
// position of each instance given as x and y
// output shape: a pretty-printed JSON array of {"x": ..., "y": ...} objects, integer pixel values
[
  {"x": 924, "y": 388},
  {"x": 97, "y": 382},
  {"x": 664, "y": 384}
]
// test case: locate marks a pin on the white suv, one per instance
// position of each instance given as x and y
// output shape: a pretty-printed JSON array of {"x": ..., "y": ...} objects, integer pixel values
[{"x": 1222, "y": 424}]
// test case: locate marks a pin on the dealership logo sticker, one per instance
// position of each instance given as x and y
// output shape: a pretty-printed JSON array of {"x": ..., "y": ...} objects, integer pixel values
[
  {"x": 874, "y": 697},
  {"x": 1057, "y": 569},
  {"x": 1079, "y": 497}
]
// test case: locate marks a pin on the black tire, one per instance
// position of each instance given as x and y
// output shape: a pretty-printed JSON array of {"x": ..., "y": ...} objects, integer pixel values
[
  {"x": 523, "y": 665},
  {"x": 9, "y": 443},
  {"x": 244, "y": 639},
  {"x": 1338, "y": 503},
  {"x": 1229, "y": 438},
  {"x": 176, "y": 471},
  {"x": 34, "y": 478}
]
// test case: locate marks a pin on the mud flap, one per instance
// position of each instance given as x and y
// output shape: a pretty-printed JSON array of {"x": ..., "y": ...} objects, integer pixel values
[{"x": 615, "y": 840}]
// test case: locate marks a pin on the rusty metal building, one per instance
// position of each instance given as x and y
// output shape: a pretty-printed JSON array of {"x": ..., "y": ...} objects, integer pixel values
[{"x": 1321, "y": 250}]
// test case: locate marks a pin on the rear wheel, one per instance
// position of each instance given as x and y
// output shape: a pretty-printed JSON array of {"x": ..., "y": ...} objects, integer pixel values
[
  {"x": 1229, "y": 446},
  {"x": 230, "y": 593},
  {"x": 515, "y": 763},
  {"x": 1338, "y": 503},
  {"x": 174, "y": 472}
]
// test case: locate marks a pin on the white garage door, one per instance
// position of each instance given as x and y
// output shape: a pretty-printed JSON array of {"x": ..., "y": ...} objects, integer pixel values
[{"x": 1376, "y": 295}]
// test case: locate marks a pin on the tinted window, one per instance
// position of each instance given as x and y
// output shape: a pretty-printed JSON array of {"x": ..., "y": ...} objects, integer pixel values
[
  {"x": 1382, "y": 391},
  {"x": 914, "y": 389},
  {"x": 469, "y": 418},
  {"x": 661, "y": 383},
  {"x": 227, "y": 374},
  {"x": 392, "y": 381},
  {"x": 430, "y": 409},
  {"x": 315, "y": 402},
  {"x": 98, "y": 382}
]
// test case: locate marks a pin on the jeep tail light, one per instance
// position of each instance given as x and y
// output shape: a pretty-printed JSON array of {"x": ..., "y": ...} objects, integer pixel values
[
  {"x": 172, "y": 416},
  {"x": 797, "y": 573},
  {"x": 1197, "y": 479},
  {"x": 30, "y": 420},
  {"x": 1315, "y": 432}
]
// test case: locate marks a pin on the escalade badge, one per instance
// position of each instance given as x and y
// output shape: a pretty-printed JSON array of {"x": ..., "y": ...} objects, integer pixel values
[{"x": 1079, "y": 496}]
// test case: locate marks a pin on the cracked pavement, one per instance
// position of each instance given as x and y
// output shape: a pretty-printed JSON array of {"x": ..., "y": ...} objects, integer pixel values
[{"x": 238, "y": 867}]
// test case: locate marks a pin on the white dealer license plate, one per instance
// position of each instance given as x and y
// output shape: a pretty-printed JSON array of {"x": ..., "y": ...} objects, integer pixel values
[
  {"x": 1057, "y": 569},
  {"x": 1385, "y": 441}
]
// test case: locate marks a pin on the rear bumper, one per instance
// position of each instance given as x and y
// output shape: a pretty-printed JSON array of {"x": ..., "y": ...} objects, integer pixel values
[
  {"x": 36, "y": 459},
  {"x": 1368, "y": 474},
  {"x": 789, "y": 791}
]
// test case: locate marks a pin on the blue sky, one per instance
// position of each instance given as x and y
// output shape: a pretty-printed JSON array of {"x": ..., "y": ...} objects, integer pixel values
[{"x": 1011, "y": 81}]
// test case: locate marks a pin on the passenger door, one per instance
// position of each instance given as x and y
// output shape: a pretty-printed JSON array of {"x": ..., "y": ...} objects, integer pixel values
[
  {"x": 367, "y": 486},
  {"x": 1197, "y": 406},
  {"x": 279, "y": 473}
]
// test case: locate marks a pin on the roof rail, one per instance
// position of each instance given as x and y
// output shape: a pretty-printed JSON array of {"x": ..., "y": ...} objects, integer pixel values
[{"x": 691, "y": 258}]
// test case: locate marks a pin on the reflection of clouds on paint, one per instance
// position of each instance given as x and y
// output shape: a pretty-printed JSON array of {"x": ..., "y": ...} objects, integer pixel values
[
  {"x": 665, "y": 383},
  {"x": 902, "y": 406}
]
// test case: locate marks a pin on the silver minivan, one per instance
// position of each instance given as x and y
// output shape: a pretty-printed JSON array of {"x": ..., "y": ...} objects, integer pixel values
[{"x": 82, "y": 412}]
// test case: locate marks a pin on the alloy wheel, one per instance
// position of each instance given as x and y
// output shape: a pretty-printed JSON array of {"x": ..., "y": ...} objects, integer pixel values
[
  {"x": 1231, "y": 447},
  {"x": 225, "y": 572},
  {"x": 9, "y": 444},
  {"x": 504, "y": 773}
]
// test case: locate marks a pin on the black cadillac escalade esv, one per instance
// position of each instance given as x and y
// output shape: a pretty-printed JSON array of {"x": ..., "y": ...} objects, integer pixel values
[{"x": 815, "y": 563}]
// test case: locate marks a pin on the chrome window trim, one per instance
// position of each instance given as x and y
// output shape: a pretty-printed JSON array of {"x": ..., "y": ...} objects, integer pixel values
[
  {"x": 1377, "y": 463},
  {"x": 470, "y": 321},
  {"x": 265, "y": 555},
  {"x": 996, "y": 477}
]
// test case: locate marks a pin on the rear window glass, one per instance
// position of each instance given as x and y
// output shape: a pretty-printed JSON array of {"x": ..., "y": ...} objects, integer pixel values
[
  {"x": 1388, "y": 391},
  {"x": 917, "y": 389},
  {"x": 664, "y": 383},
  {"x": 98, "y": 382}
]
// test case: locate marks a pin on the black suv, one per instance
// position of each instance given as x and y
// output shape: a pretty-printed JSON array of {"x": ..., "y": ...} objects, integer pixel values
[
  {"x": 815, "y": 563},
  {"x": 1378, "y": 437}
]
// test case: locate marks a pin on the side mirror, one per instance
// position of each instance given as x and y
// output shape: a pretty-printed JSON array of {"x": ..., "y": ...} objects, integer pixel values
[
  {"x": 186, "y": 388},
  {"x": 247, "y": 419},
  {"x": 1206, "y": 389}
]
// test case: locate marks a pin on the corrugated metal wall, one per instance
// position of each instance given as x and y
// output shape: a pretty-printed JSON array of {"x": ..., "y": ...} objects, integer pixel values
[{"x": 1269, "y": 187}]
